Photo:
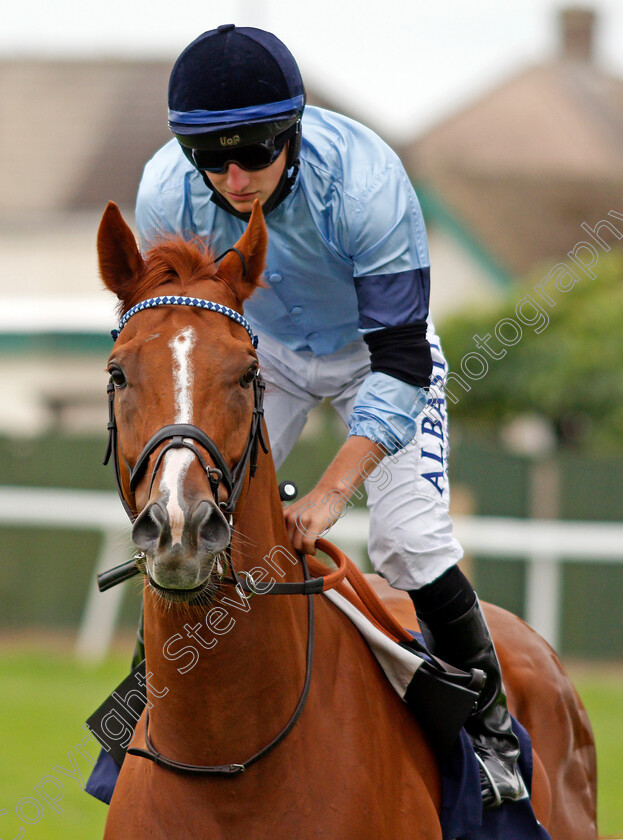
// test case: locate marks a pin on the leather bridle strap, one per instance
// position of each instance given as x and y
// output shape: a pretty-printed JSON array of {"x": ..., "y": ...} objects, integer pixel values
[
  {"x": 236, "y": 477},
  {"x": 309, "y": 586},
  {"x": 179, "y": 434},
  {"x": 233, "y": 769},
  {"x": 112, "y": 448}
]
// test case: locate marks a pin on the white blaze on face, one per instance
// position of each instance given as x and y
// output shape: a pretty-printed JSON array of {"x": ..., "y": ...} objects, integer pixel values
[{"x": 177, "y": 461}]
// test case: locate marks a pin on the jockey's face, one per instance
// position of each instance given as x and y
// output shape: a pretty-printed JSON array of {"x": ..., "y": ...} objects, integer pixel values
[{"x": 240, "y": 187}]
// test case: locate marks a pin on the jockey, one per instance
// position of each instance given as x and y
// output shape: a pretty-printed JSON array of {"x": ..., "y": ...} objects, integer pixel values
[{"x": 343, "y": 315}]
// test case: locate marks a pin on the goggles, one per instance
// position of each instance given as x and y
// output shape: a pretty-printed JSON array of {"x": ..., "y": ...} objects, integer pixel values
[{"x": 252, "y": 157}]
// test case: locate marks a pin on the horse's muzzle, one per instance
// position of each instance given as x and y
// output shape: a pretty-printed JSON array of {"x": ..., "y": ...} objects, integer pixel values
[{"x": 181, "y": 554}]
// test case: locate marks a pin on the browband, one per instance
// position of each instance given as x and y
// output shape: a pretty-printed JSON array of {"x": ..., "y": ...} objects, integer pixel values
[{"x": 199, "y": 303}]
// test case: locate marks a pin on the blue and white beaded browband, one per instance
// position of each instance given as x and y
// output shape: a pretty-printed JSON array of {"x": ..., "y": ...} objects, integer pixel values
[{"x": 169, "y": 300}]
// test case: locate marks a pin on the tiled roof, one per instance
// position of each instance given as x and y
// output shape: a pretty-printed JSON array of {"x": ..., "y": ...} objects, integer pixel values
[{"x": 525, "y": 165}]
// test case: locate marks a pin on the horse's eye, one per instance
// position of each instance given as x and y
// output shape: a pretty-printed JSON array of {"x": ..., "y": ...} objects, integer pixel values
[
  {"x": 118, "y": 377},
  {"x": 248, "y": 376}
]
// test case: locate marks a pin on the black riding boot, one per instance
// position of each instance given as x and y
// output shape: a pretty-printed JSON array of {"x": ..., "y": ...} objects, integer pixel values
[
  {"x": 466, "y": 643},
  {"x": 455, "y": 630}
]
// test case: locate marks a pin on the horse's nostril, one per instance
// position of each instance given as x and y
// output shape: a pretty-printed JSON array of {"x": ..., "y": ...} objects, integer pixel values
[
  {"x": 205, "y": 529},
  {"x": 148, "y": 527},
  {"x": 210, "y": 530},
  {"x": 213, "y": 528}
]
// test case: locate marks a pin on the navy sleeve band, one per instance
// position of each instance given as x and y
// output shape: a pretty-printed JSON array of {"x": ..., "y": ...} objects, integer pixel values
[
  {"x": 386, "y": 300},
  {"x": 402, "y": 352}
]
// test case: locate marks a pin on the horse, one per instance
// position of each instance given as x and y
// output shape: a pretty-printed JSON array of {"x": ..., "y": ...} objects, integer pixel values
[{"x": 239, "y": 737}]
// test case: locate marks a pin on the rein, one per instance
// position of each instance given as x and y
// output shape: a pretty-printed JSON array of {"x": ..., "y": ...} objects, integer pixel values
[{"x": 232, "y": 769}]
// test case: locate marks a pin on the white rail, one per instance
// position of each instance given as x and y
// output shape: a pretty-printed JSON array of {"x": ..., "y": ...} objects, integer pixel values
[{"x": 544, "y": 544}]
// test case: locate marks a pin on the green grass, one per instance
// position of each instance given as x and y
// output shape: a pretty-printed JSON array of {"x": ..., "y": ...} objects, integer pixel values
[
  {"x": 47, "y": 695},
  {"x": 601, "y": 690},
  {"x": 45, "y": 698}
]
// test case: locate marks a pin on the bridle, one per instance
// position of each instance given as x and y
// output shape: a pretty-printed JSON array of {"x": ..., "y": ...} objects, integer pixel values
[
  {"x": 185, "y": 436},
  {"x": 188, "y": 436}
]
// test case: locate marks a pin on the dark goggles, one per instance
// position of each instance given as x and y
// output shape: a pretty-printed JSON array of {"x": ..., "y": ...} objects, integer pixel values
[{"x": 253, "y": 157}]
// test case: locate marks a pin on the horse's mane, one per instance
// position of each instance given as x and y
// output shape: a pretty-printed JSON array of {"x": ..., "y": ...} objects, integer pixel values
[{"x": 172, "y": 258}]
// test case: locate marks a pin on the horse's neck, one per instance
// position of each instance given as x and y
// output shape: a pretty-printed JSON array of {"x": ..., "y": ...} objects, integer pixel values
[{"x": 231, "y": 669}]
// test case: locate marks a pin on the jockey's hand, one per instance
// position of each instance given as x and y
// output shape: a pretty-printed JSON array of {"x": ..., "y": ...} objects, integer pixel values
[{"x": 311, "y": 516}]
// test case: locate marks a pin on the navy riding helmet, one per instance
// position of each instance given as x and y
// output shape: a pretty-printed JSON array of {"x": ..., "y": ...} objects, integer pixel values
[{"x": 236, "y": 95}]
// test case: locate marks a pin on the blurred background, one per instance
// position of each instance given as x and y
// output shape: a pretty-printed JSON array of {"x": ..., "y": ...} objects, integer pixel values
[{"x": 509, "y": 119}]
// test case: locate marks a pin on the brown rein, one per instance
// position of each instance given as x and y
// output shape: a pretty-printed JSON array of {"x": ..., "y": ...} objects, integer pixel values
[
  {"x": 359, "y": 593},
  {"x": 347, "y": 579}
]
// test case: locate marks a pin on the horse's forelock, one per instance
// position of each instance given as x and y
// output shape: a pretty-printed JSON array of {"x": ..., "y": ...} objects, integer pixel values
[{"x": 172, "y": 259}]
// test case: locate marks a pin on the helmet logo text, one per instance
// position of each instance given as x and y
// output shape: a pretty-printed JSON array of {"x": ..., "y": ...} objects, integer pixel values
[{"x": 230, "y": 141}]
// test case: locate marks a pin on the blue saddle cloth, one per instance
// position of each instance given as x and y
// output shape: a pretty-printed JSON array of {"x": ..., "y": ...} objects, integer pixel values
[
  {"x": 101, "y": 783},
  {"x": 462, "y": 814}
]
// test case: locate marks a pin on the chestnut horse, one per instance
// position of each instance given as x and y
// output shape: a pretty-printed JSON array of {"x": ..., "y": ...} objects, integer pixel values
[{"x": 228, "y": 674}]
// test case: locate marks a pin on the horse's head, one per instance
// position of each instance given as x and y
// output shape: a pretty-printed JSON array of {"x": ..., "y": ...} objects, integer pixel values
[{"x": 189, "y": 368}]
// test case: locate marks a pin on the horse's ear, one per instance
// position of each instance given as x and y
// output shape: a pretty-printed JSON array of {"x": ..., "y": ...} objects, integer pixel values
[
  {"x": 243, "y": 276},
  {"x": 120, "y": 260}
]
